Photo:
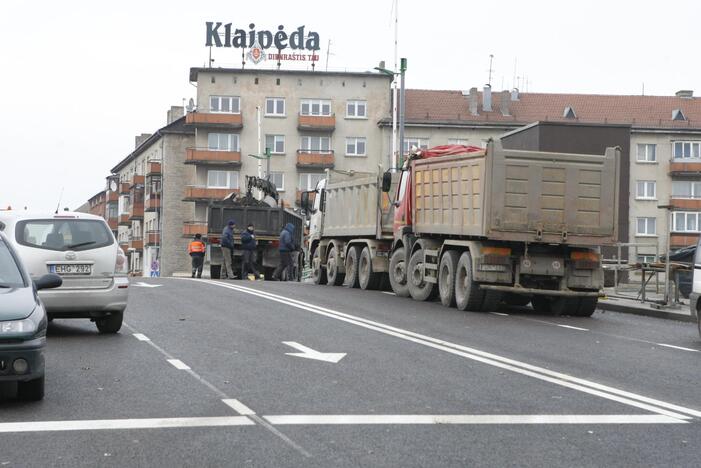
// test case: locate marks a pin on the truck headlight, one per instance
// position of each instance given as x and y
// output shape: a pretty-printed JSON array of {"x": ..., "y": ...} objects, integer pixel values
[{"x": 17, "y": 326}]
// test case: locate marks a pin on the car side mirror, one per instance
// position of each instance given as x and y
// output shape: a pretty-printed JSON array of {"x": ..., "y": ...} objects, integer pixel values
[
  {"x": 48, "y": 281},
  {"x": 386, "y": 181}
]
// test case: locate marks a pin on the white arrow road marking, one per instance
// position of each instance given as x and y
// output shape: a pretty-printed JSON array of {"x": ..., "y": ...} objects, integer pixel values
[
  {"x": 141, "y": 284},
  {"x": 312, "y": 354}
]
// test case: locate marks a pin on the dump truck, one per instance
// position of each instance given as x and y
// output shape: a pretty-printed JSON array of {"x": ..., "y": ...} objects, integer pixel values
[
  {"x": 268, "y": 215},
  {"x": 476, "y": 227}
]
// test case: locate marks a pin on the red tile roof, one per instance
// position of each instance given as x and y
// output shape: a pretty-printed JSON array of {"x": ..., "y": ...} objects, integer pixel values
[{"x": 639, "y": 111}]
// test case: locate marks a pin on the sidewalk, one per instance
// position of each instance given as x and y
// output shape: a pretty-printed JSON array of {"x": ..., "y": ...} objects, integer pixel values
[{"x": 626, "y": 302}]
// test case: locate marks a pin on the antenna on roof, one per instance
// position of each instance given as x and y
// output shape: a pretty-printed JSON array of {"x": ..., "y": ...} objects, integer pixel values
[
  {"x": 643, "y": 88},
  {"x": 58, "y": 205},
  {"x": 491, "y": 58},
  {"x": 190, "y": 105}
]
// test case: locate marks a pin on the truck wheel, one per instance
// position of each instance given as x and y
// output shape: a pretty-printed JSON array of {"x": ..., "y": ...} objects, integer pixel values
[
  {"x": 367, "y": 278},
  {"x": 468, "y": 295},
  {"x": 555, "y": 306},
  {"x": 419, "y": 289},
  {"x": 335, "y": 278},
  {"x": 446, "y": 277},
  {"x": 32, "y": 390},
  {"x": 318, "y": 271},
  {"x": 352, "y": 267},
  {"x": 397, "y": 273},
  {"x": 492, "y": 300},
  {"x": 587, "y": 306},
  {"x": 516, "y": 299}
]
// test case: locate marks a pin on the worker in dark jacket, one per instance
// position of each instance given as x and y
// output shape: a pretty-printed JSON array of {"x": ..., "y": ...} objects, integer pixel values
[
  {"x": 227, "y": 248},
  {"x": 287, "y": 246},
  {"x": 248, "y": 249},
  {"x": 196, "y": 249}
]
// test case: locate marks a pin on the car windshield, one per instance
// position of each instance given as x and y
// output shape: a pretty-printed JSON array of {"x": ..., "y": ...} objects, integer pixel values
[
  {"x": 64, "y": 234},
  {"x": 10, "y": 275}
]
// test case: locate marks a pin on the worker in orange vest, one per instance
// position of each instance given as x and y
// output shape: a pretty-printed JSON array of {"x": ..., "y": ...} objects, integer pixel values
[{"x": 196, "y": 249}]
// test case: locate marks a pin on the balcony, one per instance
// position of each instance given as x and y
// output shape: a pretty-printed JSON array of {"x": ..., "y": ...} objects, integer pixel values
[
  {"x": 113, "y": 223},
  {"x": 124, "y": 220},
  {"x": 124, "y": 188},
  {"x": 137, "y": 180},
  {"x": 153, "y": 169},
  {"x": 685, "y": 204},
  {"x": 190, "y": 228},
  {"x": 317, "y": 123},
  {"x": 214, "y": 120},
  {"x": 136, "y": 243},
  {"x": 681, "y": 167},
  {"x": 153, "y": 238},
  {"x": 201, "y": 193},
  {"x": 683, "y": 239},
  {"x": 207, "y": 156},
  {"x": 124, "y": 246},
  {"x": 152, "y": 202},
  {"x": 136, "y": 212},
  {"x": 314, "y": 159},
  {"x": 112, "y": 197}
]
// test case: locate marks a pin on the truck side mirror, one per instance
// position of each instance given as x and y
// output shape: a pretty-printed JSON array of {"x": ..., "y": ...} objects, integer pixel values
[
  {"x": 386, "y": 181},
  {"x": 304, "y": 201}
]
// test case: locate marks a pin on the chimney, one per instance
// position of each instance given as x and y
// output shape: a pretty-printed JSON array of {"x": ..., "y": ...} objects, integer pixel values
[
  {"x": 487, "y": 98},
  {"x": 685, "y": 93},
  {"x": 473, "y": 101},
  {"x": 514, "y": 94},
  {"x": 505, "y": 103},
  {"x": 140, "y": 139},
  {"x": 174, "y": 114}
]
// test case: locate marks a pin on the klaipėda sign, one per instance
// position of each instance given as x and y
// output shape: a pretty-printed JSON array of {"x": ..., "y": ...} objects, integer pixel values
[{"x": 222, "y": 35}]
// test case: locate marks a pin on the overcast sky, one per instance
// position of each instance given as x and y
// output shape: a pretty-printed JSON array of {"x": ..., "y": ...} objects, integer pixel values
[{"x": 80, "y": 79}]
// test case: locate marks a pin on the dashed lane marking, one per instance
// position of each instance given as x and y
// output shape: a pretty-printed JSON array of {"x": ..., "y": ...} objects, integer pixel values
[
  {"x": 572, "y": 327},
  {"x": 178, "y": 364},
  {"x": 239, "y": 407},
  {"x": 104, "y": 424},
  {"x": 679, "y": 347},
  {"x": 141, "y": 337}
]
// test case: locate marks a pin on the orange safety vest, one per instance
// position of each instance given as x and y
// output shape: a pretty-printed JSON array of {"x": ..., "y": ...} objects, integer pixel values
[{"x": 196, "y": 247}]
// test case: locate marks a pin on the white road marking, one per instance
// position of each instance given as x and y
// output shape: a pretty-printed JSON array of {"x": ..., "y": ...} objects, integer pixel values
[
  {"x": 239, "y": 407},
  {"x": 141, "y": 284},
  {"x": 141, "y": 337},
  {"x": 679, "y": 347},
  {"x": 179, "y": 364},
  {"x": 499, "y": 313},
  {"x": 558, "y": 378},
  {"x": 309, "y": 353},
  {"x": 303, "y": 419},
  {"x": 389, "y": 293},
  {"x": 571, "y": 327},
  {"x": 102, "y": 424}
]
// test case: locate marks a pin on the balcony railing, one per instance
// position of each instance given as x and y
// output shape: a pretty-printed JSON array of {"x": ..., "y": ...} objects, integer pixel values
[
  {"x": 124, "y": 188},
  {"x": 137, "y": 179},
  {"x": 201, "y": 193},
  {"x": 153, "y": 169},
  {"x": 682, "y": 167},
  {"x": 683, "y": 239},
  {"x": 685, "y": 203},
  {"x": 153, "y": 237},
  {"x": 137, "y": 211},
  {"x": 124, "y": 219},
  {"x": 136, "y": 243},
  {"x": 207, "y": 156},
  {"x": 112, "y": 196},
  {"x": 214, "y": 119},
  {"x": 190, "y": 228},
  {"x": 152, "y": 202},
  {"x": 323, "y": 123},
  {"x": 319, "y": 159}
]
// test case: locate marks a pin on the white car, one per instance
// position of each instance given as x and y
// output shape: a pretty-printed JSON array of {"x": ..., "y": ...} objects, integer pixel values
[{"x": 81, "y": 249}]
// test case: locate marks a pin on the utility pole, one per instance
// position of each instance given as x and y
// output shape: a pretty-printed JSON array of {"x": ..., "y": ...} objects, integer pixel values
[{"x": 402, "y": 105}]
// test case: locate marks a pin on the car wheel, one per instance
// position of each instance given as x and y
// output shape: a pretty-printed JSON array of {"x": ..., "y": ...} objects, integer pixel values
[
  {"x": 397, "y": 273},
  {"x": 110, "y": 324},
  {"x": 32, "y": 390}
]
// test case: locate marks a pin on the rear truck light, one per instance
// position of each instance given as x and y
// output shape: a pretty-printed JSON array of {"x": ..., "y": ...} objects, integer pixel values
[
  {"x": 497, "y": 251},
  {"x": 495, "y": 259},
  {"x": 585, "y": 259}
]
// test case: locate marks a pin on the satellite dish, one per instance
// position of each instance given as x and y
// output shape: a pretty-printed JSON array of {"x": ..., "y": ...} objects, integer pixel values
[
  {"x": 190, "y": 105},
  {"x": 113, "y": 185}
]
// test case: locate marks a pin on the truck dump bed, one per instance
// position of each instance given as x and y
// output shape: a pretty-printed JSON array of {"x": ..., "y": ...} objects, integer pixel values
[
  {"x": 268, "y": 220},
  {"x": 516, "y": 195}
]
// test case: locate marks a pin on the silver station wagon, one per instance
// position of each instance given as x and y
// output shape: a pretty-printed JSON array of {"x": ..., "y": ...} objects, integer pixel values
[{"x": 81, "y": 249}]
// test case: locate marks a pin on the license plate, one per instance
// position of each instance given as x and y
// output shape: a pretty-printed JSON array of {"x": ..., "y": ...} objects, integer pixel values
[{"x": 71, "y": 269}]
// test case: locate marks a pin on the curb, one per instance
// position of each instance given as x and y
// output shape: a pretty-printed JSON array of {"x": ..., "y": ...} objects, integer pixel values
[{"x": 649, "y": 312}]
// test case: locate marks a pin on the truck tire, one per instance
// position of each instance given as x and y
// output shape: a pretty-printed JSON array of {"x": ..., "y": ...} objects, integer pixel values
[
  {"x": 335, "y": 278},
  {"x": 419, "y": 289},
  {"x": 586, "y": 307},
  {"x": 555, "y": 306},
  {"x": 468, "y": 295},
  {"x": 352, "y": 267},
  {"x": 492, "y": 300},
  {"x": 397, "y": 273},
  {"x": 318, "y": 271},
  {"x": 513, "y": 299},
  {"x": 446, "y": 277},
  {"x": 367, "y": 278}
]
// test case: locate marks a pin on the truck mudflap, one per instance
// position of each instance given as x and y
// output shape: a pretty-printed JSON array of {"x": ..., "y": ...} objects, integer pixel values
[{"x": 543, "y": 292}]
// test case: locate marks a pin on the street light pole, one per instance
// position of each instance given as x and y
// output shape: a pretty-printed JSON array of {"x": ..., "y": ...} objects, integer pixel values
[{"x": 402, "y": 110}]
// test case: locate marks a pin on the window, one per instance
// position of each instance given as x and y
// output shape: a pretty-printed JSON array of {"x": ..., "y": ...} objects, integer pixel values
[
  {"x": 225, "y": 104},
  {"x": 646, "y": 190},
  {"x": 647, "y": 227},
  {"x": 646, "y": 153},
  {"x": 357, "y": 109},
  {"x": 316, "y": 144},
  {"x": 64, "y": 234},
  {"x": 275, "y": 106},
  {"x": 309, "y": 181},
  {"x": 355, "y": 146},
  {"x": 686, "y": 221},
  {"x": 687, "y": 149},
  {"x": 223, "y": 179},
  {"x": 421, "y": 143},
  {"x": 223, "y": 141},
  {"x": 277, "y": 178},
  {"x": 646, "y": 259},
  {"x": 276, "y": 143},
  {"x": 112, "y": 211},
  {"x": 315, "y": 107},
  {"x": 10, "y": 274},
  {"x": 458, "y": 141},
  {"x": 686, "y": 189}
]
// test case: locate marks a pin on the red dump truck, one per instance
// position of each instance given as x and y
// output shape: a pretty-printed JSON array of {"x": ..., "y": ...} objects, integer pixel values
[{"x": 474, "y": 226}]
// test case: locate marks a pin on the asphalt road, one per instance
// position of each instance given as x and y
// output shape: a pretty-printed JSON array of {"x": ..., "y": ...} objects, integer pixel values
[{"x": 209, "y": 373}]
